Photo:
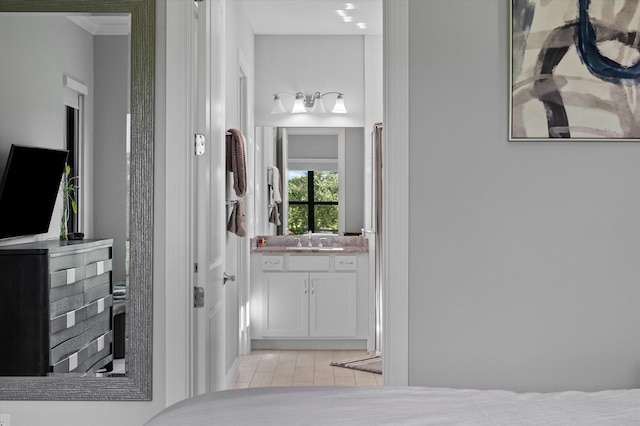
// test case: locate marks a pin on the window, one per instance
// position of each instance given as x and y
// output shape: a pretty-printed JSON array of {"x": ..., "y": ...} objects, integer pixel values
[
  {"x": 74, "y": 95},
  {"x": 73, "y": 138},
  {"x": 313, "y": 201}
]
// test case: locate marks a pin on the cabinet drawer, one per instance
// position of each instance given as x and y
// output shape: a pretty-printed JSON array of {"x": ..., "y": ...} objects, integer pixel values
[
  {"x": 272, "y": 263},
  {"x": 97, "y": 255},
  {"x": 83, "y": 359},
  {"x": 308, "y": 263},
  {"x": 68, "y": 261},
  {"x": 67, "y": 276},
  {"x": 346, "y": 263},
  {"x": 98, "y": 268}
]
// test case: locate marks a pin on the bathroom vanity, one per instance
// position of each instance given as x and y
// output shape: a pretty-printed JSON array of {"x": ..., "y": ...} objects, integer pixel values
[{"x": 311, "y": 297}]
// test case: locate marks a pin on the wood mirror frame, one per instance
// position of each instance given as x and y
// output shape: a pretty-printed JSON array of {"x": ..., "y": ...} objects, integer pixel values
[{"x": 137, "y": 384}]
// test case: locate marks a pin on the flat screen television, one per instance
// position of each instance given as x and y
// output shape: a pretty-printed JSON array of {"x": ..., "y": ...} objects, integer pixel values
[{"x": 29, "y": 188}]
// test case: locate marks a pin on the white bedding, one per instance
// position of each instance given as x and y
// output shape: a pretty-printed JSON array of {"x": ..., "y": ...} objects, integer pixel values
[{"x": 402, "y": 406}]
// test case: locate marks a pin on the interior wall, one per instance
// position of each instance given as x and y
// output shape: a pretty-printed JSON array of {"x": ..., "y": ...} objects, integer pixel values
[
  {"x": 110, "y": 150},
  {"x": 523, "y": 255},
  {"x": 310, "y": 64},
  {"x": 31, "y": 95}
]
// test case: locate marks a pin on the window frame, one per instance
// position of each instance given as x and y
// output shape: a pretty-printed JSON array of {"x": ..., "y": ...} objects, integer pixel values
[{"x": 311, "y": 201}]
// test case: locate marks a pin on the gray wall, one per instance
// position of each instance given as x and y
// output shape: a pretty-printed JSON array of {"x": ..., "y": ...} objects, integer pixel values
[
  {"x": 35, "y": 53},
  {"x": 110, "y": 155},
  {"x": 524, "y": 256}
]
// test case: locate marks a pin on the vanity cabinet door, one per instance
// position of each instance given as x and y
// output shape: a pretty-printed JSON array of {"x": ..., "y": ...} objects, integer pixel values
[
  {"x": 332, "y": 305},
  {"x": 285, "y": 304}
]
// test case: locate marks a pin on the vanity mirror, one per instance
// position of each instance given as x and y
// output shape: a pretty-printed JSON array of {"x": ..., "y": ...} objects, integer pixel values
[
  {"x": 333, "y": 200},
  {"x": 136, "y": 385}
]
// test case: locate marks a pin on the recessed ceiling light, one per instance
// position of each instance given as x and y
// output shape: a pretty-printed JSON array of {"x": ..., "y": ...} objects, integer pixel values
[
  {"x": 349, "y": 6},
  {"x": 362, "y": 25},
  {"x": 347, "y": 18}
]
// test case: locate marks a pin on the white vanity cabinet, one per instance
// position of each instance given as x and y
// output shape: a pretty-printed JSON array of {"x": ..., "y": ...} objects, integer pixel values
[
  {"x": 309, "y": 297},
  {"x": 296, "y": 304}
]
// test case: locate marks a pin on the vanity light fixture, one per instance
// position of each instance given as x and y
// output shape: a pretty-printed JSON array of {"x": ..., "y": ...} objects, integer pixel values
[{"x": 308, "y": 103}]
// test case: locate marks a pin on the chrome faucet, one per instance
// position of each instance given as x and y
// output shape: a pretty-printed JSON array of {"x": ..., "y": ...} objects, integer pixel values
[
  {"x": 320, "y": 242},
  {"x": 309, "y": 239},
  {"x": 299, "y": 244}
]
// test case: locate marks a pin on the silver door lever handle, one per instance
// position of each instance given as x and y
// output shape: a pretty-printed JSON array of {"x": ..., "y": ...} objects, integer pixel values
[{"x": 226, "y": 278}]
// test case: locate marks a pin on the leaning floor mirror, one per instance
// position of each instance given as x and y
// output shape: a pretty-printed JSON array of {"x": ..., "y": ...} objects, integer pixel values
[{"x": 54, "y": 71}]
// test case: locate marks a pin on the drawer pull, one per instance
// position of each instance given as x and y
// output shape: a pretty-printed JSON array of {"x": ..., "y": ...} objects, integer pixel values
[
  {"x": 73, "y": 361},
  {"x": 100, "y": 343},
  {"x": 272, "y": 262},
  {"x": 342, "y": 262},
  {"x": 101, "y": 306},
  {"x": 71, "y": 319},
  {"x": 71, "y": 276},
  {"x": 100, "y": 267}
]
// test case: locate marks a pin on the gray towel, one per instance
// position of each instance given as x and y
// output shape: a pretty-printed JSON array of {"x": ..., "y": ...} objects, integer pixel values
[
  {"x": 236, "y": 223},
  {"x": 236, "y": 160}
]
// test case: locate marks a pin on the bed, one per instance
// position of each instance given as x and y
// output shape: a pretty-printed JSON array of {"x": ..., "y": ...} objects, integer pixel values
[{"x": 402, "y": 406}]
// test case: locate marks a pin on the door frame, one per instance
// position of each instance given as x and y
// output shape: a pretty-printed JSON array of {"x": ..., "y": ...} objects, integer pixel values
[
  {"x": 177, "y": 221},
  {"x": 395, "y": 187},
  {"x": 179, "y": 293}
]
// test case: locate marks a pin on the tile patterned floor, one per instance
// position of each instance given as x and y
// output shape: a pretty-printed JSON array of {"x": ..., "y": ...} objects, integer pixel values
[{"x": 267, "y": 368}]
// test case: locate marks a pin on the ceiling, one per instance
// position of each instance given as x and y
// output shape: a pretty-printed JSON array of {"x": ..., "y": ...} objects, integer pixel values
[{"x": 313, "y": 17}]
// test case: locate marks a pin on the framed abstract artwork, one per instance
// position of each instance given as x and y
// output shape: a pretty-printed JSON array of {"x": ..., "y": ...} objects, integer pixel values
[{"x": 575, "y": 70}]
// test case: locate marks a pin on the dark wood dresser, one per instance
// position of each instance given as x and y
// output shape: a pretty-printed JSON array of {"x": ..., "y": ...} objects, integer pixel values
[{"x": 55, "y": 307}]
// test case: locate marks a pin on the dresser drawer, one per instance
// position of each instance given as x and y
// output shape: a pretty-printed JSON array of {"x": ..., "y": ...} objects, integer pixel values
[
  {"x": 84, "y": 358},
  {"x": 97, "y": 255},
  {"x": 98, "y": 268},
  {"x": 67, "y": 276},
  {"x": 346, "y": 263},
  {"x": 96, "y": 289},
  {"x": 308, "y": 263},
  {"x": 272, "y": 263},
  {"x": 66, "y": 304},
  {"x": 67, "y": 261}
]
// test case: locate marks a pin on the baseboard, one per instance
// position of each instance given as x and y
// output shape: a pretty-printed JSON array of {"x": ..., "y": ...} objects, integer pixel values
[
  {"x": 309, "y": 344},
  {"x": 232, "y": 376}
]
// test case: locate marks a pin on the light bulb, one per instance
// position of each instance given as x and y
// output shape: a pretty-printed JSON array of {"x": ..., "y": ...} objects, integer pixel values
[
  {"x": 277, "y": 107},
  {"x": 298, "y": 105},
  {"x": 339, "y": 107}
]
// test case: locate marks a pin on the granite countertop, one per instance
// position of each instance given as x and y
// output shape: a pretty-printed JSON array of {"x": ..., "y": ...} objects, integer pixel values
[{"x": 332, "y": 244}]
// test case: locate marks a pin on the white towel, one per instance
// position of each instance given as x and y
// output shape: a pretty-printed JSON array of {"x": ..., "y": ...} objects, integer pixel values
[
  {"x": 274, "y": 217},
  {"x": 276, "y": 185}
]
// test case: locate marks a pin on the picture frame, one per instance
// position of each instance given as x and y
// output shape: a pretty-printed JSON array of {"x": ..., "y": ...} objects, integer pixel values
[{"x": 574, "y": 70}]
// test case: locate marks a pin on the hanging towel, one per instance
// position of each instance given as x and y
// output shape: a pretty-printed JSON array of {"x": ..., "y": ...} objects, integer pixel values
[
  {"x": 274, "y": 216},
  {"x": 276, "y": 185},
  {"x": 236, "y": 160},
  {"x": 236, "y": 223}
]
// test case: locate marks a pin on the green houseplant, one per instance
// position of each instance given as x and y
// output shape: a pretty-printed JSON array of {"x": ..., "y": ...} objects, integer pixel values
[{"x": 68, "y": 187}]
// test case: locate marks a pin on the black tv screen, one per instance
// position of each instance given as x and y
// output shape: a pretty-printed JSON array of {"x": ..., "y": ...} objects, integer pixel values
[{"x": 29, "y": 188}]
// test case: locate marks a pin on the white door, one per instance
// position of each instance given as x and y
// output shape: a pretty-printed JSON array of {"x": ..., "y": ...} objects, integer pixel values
[{"x": 209, "y": 205}]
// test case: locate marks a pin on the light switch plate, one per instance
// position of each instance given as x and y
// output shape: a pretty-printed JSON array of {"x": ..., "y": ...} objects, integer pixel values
[{"x": 5, "y": 420}]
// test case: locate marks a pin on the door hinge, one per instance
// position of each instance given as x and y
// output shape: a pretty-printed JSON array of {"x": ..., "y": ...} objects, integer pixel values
[
  {"x": 198, "y": 297},
  {"x": 199, "y": 144},
  {"x": 195, "y": 268}
]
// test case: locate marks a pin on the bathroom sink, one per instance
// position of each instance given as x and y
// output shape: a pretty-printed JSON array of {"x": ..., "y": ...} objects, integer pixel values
[{"x": 315, "y": 248}]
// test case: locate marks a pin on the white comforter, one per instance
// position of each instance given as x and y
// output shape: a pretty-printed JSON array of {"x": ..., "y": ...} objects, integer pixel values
[{"x": 402, "y": 406}]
